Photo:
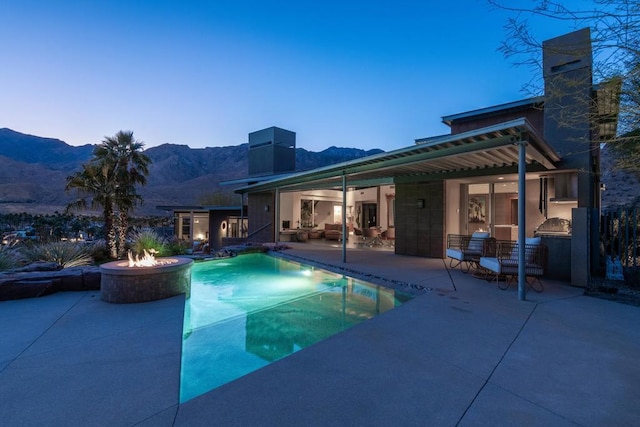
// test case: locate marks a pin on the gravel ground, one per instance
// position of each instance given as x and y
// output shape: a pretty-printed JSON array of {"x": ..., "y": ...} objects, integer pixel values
[{"x": 615, "y": 291}]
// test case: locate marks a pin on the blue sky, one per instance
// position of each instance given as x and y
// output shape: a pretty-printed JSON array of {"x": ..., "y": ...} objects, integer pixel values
[{"x": 365, "y": 74}]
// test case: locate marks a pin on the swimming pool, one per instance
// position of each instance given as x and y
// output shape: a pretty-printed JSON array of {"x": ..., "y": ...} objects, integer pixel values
[{"x": 251, "y": 310}]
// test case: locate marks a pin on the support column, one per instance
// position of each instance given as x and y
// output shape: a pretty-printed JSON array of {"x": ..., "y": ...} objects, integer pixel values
[
  {"x": 345, "y": 230},
  {"x": 192, "y": 225},
  {"x": 522, "y": 221},
  {"x": 240, "y": 226},
  {"x": 276, "y": 217}
]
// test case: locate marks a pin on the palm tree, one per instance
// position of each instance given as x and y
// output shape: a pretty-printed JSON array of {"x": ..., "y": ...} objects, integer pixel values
[
  {"x": 123, "y": 153},
  {"x": 110, "y": 179},
  {"x": 95, "y": 182}
]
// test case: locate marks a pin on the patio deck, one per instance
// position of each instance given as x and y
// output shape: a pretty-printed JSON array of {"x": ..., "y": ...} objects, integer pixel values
[{"x": 475, "y": 356}]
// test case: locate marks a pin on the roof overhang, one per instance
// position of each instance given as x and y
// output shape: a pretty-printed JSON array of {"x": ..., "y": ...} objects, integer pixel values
[
  {"x": 488, "y": 149},
  {"x": 194, "y": 208},
  {"x": 522, "y": 104}
]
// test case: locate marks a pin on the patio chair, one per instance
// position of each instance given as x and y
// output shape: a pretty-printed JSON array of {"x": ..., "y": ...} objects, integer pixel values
[
  {"x": 505, "y": 263},
  {"x": 467, "y": 250}
]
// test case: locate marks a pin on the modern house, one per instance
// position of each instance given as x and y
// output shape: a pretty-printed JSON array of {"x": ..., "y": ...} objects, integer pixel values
[{"x": 504, "y": 169}]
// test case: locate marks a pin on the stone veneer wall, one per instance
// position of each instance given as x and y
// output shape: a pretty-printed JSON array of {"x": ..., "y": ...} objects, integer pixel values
[{"x": 146, "y": 283}]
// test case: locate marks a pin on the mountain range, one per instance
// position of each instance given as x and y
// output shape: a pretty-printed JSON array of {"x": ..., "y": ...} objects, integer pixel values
[{"x": 33, "y": 171}]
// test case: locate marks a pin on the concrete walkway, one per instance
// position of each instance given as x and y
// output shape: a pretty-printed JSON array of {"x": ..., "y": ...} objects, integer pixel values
[{"x": 475, "y": 356}]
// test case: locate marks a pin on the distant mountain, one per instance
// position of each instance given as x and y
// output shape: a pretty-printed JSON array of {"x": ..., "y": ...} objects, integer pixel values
[
  {"x": 53, "y": 153},
  {"x": 33, "y": 171}
]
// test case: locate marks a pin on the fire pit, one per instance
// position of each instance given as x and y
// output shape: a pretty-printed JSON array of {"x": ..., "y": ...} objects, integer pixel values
[{"x": 145, "y": 279}]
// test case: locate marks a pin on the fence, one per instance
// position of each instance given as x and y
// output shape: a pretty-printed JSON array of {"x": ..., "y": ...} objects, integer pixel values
[{"x": 620, "y": 239}]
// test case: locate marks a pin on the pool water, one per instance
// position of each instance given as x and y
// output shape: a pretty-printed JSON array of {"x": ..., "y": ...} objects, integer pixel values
[{"x": 251, "y": 310}]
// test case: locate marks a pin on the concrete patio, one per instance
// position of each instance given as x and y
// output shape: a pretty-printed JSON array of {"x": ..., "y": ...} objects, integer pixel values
[{"x": 475, "y": 356}]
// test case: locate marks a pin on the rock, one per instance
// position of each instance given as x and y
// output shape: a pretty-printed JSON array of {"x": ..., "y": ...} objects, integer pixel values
[
  {"x": 26, "y": 289},
  {"x": 39, "y": 266},
  {"x": 31, "y": 284}
]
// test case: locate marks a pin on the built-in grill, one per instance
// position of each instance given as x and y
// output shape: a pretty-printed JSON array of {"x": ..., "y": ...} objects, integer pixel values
[{"x": 554, "y": 227}]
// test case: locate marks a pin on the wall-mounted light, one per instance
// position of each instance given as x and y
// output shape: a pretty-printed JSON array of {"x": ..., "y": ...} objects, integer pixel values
[
  {"x": 420, "y": 203},
  {"x": 266, "y": 208},
  {"x": 223, "y": 226}
]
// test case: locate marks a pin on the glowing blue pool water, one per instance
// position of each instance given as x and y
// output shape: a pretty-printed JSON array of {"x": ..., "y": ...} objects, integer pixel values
[{"x": 251, "y": 310}]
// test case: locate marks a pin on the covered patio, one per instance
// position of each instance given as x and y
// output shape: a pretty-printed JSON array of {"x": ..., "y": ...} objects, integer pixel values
[{"x": 424, "y": 208}]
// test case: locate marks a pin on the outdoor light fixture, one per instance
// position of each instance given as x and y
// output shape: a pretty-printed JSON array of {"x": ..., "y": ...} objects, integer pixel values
[
  {"x": 266, "y": 208},
  {"x": 420, "y": 203}
]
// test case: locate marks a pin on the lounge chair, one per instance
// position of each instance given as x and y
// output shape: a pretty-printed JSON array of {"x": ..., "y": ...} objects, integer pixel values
[
  {"x": 505, "y": 263},
  {"x": 467, "y": 250}
]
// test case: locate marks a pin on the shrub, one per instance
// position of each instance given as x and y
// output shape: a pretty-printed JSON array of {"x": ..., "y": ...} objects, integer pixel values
[
  {"x": 9, "y": 258},
  {"x": 178, "y": 247},
  {"x": 65, "y": 254},
  {"x": 99, "y": 251},
  {"x": 145, "y": 239}
]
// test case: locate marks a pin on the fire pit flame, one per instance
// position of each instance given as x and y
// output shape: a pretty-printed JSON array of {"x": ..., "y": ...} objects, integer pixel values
[{"x": 148, "y": 259}]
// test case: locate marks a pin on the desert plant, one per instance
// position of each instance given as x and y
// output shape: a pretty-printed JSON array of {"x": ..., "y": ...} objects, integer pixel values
[
  {"x": 146, "y": 239},
  {"x": 9, "y": 258},
  {"x": 176, "y": 246},
  {"x": 66, "y": 254},
  {"x": 99, "y": 251}
]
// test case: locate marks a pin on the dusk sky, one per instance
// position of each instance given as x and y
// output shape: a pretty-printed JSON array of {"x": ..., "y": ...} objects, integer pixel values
[{"x": 363, "y": 74}]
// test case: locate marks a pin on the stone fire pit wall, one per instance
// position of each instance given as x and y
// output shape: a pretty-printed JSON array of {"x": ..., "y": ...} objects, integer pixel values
[{"x": 122, "y": 284}]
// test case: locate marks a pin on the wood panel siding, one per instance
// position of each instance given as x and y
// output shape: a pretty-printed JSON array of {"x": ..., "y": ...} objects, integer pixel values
[
  {"x": 260, "y": 217},
  {"x": 420, "y": 219}
]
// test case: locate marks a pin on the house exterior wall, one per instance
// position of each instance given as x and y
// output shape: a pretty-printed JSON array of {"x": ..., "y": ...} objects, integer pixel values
[
  {"x": 420, "y": 219},
  {"x": 216, "y": 218},
  {"x": 261, "y": 207}
]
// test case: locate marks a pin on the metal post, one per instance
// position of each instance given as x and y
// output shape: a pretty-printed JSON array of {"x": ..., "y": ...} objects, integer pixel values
[
  {"x": 241, "y": 225},
  {"x": 345, "y": 233},
  {"x": 522, "y": 169},
  {"x": 191, "y": 226},
  {"x": 276, "y": 217}
]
